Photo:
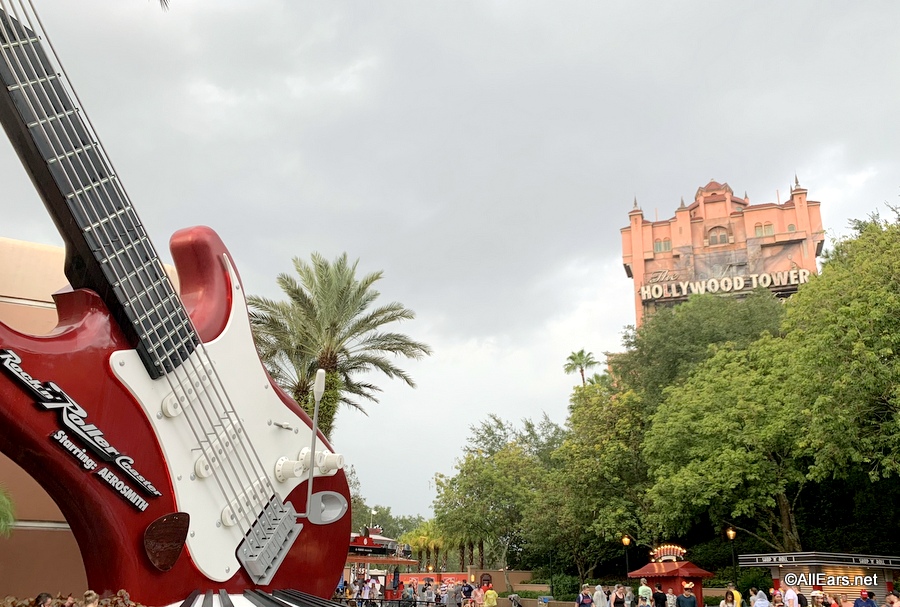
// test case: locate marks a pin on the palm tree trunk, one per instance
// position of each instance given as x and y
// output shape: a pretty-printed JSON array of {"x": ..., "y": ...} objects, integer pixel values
[
  {"x": 471, "y": 553},
  {"x": 481, "y": 554},
  {"x": 462, "y": 556}
]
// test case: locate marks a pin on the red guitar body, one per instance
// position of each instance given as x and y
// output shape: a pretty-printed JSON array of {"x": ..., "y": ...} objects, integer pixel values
[{"x": 109, "y": 529}]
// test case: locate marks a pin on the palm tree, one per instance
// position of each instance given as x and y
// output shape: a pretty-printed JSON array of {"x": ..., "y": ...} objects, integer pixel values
[
  {"x": 426, "y": 538},
  {"x": 7, "y": 513},
  {"x": 327, "y": 323},
  {"x": 579, "y": 361}
]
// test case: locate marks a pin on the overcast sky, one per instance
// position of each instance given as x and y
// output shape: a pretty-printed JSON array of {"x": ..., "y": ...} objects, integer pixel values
[{"x": 482, "y": 154}]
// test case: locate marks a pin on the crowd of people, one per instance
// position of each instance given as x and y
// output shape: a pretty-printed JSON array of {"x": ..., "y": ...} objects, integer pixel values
[
  {"x": 368, "y": 593},
  {"x": 792, "y": 597},
  {"x": 623, "y": 596}
]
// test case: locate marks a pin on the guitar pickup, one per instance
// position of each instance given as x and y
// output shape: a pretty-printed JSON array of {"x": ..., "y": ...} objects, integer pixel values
[
  {"x": 188, "y": 389},
  {"x": 218, "y": 448},
  {"x": 247, "y": 504}
]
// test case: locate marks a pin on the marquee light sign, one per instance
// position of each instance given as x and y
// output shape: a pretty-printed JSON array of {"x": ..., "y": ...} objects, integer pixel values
[{"x": 667, "y": 552}]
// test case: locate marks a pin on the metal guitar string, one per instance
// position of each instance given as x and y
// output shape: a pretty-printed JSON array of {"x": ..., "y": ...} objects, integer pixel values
[
  {"x": 44, "y": 119},
  {"x": 180, "y": 378}
]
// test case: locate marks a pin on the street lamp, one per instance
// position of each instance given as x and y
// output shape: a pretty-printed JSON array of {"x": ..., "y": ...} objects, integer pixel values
[
  {"x": 372, "y": 518},
  {"x": 731, "y": 533},
  {"x": 626, "y": 541}
]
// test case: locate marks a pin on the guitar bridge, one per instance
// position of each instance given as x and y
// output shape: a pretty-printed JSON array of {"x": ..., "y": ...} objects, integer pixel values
[{"x": 268, "y": 541}]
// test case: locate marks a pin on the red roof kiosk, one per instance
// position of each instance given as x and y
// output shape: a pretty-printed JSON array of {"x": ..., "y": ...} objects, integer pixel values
[{"x": 670, "y": 573}]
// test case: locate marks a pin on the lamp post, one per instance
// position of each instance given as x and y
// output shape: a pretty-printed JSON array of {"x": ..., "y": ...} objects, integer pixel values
[
  {"x": 551, "y": 573},
  {"x": 372, "y": 518},
  {"x": 626, "y": 541},
  {"x": 731, "y": 534}
]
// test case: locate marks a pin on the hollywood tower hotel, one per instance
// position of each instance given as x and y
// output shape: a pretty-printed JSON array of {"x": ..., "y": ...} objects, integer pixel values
[{"x": 722, "y": 244}]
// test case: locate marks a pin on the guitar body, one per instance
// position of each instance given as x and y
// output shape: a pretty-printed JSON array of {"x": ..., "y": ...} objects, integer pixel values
[{"x": 110, "y": 512}]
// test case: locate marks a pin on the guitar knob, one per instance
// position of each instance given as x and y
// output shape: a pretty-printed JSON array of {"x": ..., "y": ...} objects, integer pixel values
[
  {"x": 288, "y": 468},
  {"x": 328, "y": 462}
]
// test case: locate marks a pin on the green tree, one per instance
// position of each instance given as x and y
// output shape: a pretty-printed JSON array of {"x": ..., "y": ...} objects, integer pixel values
[
  {"x": 603, "y": 448},
  {"x": 579, "y": 361},
  {"x": 664, "y": 350},
  {"x": 393, "y": 526},
  {"x": 359, "y": 509},
  {"x": 558, "y": 521},
  {"x": 425, "y": 538},
  {"x": 7, "y": 512},
  {"x": 485, "y": 498},
  {"x": 329, "y": 322},
  {"x": 729, "y": 444},
  {"x": 845, "y": 328}
]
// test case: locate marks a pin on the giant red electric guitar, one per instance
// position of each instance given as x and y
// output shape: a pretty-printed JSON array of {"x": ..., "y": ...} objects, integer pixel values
[{"x": 148, "y": 417}]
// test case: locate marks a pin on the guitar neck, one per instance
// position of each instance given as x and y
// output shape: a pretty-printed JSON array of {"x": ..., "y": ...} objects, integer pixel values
[{"x": 107, "y": 247}]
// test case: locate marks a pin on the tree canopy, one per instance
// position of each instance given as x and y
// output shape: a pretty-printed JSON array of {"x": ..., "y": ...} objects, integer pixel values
[
  {"x": 330, "y": 321},
  {"x": 578, "y": 362},
  {"x": 7, "y": 512}
]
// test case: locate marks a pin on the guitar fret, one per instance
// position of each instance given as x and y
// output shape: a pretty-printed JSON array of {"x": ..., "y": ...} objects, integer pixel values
[
  {"x": 91, "y": 186},
  {"x": 71, "y": 153},
  {"x": 110, "y": 235},
  {"x": 31, "y": 82},
  {"x": 16, "y": 43},
  {"x": 50, "y": 119},
  {"x": 124, "y": 274}
]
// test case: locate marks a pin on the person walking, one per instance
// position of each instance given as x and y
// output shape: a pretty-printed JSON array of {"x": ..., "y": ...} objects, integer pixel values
[
  {"x": 686, "y": 598},
  {"x": 659, "y": 597},
  {"x": 600, "y": 596},
  {"x": 584, "y": 599},
  {"x": 645, "y": 591},
  {"x": 490, "y": 596}
]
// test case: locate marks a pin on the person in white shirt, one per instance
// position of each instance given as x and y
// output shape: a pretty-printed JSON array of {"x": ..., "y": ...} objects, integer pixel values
[{"x": 790, "y": 597}]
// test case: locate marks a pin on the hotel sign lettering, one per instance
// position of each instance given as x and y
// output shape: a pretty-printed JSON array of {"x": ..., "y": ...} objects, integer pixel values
[{"x": 662, "y": 289}]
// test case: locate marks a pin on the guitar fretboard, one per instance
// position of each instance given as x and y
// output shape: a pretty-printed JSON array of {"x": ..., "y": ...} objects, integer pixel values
[{"x": 60, "y": 150}]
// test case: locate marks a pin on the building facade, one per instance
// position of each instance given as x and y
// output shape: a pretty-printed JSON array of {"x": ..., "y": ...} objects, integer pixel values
[
  {"x": 721, "y": 244},
  {"x": 40, "y": 554}
]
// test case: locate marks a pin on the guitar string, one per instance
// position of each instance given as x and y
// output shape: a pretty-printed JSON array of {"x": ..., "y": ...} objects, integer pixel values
[
  {"x": 180, "y": 377},
  {"x": 129, "y": 279},
  {"x": 43, "y": 118}
]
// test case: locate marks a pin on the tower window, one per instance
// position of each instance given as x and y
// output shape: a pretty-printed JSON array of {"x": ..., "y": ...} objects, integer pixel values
[
  {"x": 718, "y": 236},
  {"x": 768, "y": 229}
]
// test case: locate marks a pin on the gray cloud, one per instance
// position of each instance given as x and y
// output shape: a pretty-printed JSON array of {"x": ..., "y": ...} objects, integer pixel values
[{"x": 481, "y": 153}]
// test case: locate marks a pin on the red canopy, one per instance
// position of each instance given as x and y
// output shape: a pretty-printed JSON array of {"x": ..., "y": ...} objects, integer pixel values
[{"x": 683, "y": 569}]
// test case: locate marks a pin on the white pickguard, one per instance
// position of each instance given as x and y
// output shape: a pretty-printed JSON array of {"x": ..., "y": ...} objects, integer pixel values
[{"x": 273, "y": 429}]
